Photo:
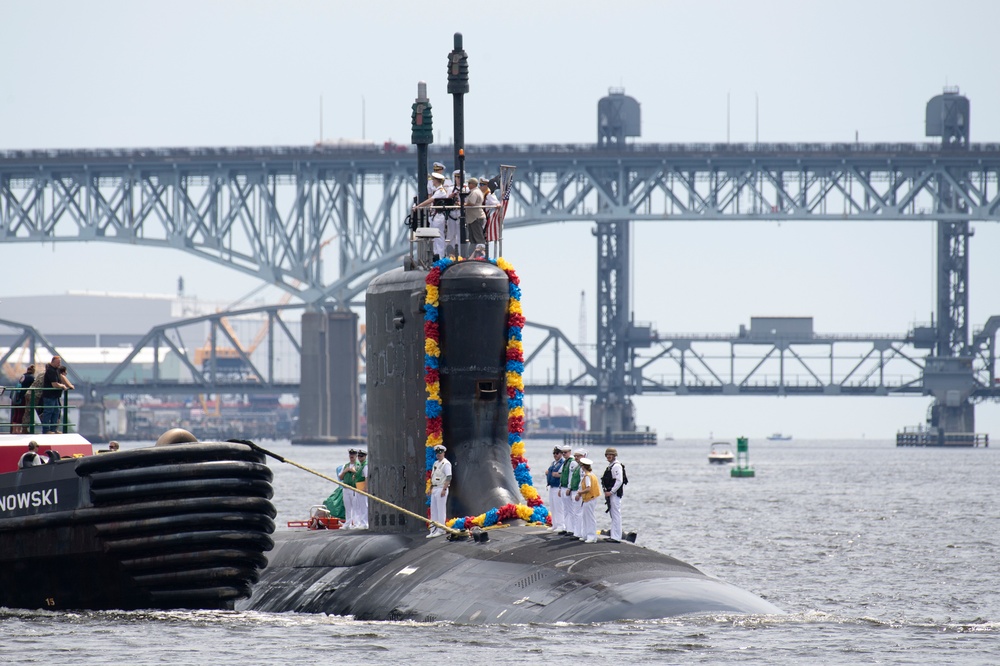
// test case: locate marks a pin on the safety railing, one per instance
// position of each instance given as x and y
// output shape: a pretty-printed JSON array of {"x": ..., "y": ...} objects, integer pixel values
[
  {"x": 25, "y": 411},
  {"x": 449, "y": 239}
]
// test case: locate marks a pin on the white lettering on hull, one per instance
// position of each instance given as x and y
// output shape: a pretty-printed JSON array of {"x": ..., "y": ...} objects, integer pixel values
[{"x": 33, "y": 499}]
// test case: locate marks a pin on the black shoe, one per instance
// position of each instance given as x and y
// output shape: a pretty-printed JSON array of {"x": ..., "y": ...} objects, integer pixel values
[
  {"x": 610, "y": 540},
  {"x": 563, "y": 533}
]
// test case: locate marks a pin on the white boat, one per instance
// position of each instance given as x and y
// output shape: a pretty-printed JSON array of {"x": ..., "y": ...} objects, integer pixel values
[
  {"x": 721, "y": 453},
  {"x": 778, "y": 437}
]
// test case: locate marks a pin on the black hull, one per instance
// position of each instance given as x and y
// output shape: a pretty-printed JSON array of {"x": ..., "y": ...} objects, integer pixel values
[
  {"x": 522, "y": 574},
  {"x": 179, "y": 526}
]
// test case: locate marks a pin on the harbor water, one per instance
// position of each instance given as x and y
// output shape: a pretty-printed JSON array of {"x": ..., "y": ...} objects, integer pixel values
[{"x": 878, "y": 554}]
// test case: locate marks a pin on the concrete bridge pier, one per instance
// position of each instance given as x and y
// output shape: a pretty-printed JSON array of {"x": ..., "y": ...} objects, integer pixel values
[
  {"x": 329, "y": 392},
  {"x": 91, "y": 423}
]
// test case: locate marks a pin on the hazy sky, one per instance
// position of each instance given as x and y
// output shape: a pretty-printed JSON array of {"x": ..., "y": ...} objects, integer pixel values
[{"x": 128, "y": 74}]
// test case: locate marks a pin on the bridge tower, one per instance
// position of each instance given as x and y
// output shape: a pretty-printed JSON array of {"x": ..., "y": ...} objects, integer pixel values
[
  {"x": 612, "y": 410},
  {"x": 948, "y": 374},
  {"x": 618, "y": 117},
  {"x": 329, "y": 395}
]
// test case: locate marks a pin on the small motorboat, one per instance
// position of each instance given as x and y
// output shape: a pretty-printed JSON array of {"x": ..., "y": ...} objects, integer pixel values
[
  {"x": 721, "y": 453},
  {"x": 778, "y": 437}
]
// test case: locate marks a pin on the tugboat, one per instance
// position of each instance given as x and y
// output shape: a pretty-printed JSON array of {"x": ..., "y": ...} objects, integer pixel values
[
  {"x": 182, "y": 524},
  {"x": 444, "y": 368}
]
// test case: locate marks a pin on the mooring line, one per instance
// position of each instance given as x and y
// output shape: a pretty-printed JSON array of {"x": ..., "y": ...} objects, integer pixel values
[{"x": 340, "y": 483}]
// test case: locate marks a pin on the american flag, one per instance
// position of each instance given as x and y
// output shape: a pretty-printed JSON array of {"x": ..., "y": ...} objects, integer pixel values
[{"x": 494, "y": 221}]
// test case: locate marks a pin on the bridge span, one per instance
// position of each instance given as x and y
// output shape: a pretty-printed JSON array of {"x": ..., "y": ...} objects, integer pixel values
[{"x": 271, "y": 212}]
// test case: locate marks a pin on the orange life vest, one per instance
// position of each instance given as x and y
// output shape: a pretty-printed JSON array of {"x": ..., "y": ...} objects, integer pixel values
[{"x": 594, "y": 490}]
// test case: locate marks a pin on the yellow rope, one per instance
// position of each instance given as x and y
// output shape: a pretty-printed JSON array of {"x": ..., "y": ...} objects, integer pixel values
[{"x": 340, "y": 483}]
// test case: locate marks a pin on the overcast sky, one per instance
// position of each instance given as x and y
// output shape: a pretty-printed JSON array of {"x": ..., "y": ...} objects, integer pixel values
[{"x": 134, "y": 74}]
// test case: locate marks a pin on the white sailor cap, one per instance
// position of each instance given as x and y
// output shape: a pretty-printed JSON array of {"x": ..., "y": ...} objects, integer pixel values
[
  {"x": 580, "y": 452},
  {"x": 440, "y": 448},
  {"x": 586, "y": 461},
  {"x": 565, "y": 447},
  {"x": 437, "y": 176},
  {"x": 438, "y": 165}
]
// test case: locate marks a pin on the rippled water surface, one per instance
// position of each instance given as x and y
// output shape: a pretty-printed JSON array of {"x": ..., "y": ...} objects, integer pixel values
[{"x": 878, "y": 555}]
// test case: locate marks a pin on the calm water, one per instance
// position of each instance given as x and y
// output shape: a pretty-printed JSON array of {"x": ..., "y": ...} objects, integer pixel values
[{"x": 878, "y": 554}]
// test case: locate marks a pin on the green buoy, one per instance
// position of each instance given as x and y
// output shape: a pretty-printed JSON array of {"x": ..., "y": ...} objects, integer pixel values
[{"x": 742, "y": 468}]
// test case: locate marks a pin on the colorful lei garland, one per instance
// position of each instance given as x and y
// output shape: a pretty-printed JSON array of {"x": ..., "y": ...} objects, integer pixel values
[{"x": 533, "y": 510}]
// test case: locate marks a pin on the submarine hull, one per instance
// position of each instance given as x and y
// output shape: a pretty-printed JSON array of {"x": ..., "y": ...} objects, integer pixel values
[{"x": 521, "y": 574}]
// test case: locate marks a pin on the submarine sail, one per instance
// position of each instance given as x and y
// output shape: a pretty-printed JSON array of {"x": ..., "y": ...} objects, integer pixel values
[{"x": 444, "y": 365}]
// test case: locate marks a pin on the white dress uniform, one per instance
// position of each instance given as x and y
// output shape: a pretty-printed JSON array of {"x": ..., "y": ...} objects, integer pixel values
[
  {"x": 571, "y": 507},
  {"x": 438, "y": 220},
  {"x": 440, "y": 474},
  {"x": 588, "y": 520},
  {"x": 616, "y": 501},
  {"x": 361, "y": 504}
]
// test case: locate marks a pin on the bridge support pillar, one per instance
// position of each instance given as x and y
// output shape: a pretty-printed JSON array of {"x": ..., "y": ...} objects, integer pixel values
[
  {"x": 948, "y": 418},
  {"x": 612, "y": 411},
  {"x": 613, "y": 415},
  {"x": 328, "y": 394},
  {"x": 91, "y": 423}
]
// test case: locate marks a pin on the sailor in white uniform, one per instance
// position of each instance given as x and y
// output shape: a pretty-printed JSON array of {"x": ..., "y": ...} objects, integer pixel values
[
  {"x": 612, "y": 482},
  {"x": 440, "y": 482},
  {"x": 438, "y": 216},
  {"x": 590, "y": 490},
  {"x": 431, "y": 184},
  {"x": 552, "y": 477},
  {"x": 574, "y": 521},
  {"x": 564, "y": 511},
  {"x": 361, "y": 483}
]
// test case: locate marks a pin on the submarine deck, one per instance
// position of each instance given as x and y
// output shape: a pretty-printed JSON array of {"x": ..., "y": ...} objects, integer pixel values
[{"x": 522, "y": 574}]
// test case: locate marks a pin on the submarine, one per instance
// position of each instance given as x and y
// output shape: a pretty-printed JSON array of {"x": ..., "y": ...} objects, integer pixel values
[{"x": 444, "y": 363}]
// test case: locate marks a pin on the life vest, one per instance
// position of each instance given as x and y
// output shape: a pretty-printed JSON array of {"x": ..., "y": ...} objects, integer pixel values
[
  {"x": 608, "y": 481},
  {"x": 350, "y": 478},
  {"x": 361, "y": 476},
  {"x": 564, "y": 475},
  {"x": 594, "y": 490},
  {"x": 574, "y": 481},
  {"x": 555, "y": 473}
]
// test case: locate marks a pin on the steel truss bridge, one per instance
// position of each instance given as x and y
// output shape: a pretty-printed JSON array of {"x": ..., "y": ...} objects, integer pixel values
[{"x": 271, "y": 212}]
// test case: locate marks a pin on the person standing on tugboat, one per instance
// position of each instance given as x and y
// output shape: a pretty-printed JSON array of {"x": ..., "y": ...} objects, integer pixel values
[
  {"x": 53, "y": 379},
  {"x": 19, "y": 399}
]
